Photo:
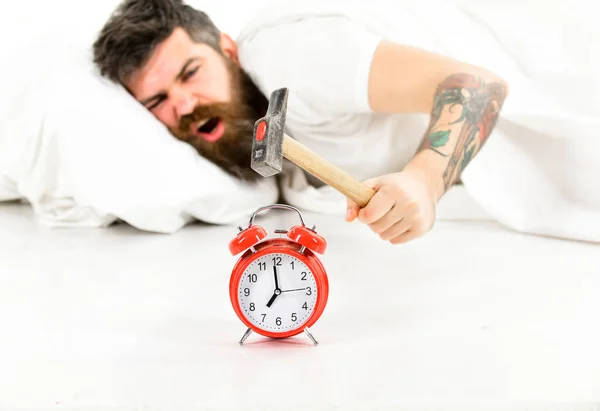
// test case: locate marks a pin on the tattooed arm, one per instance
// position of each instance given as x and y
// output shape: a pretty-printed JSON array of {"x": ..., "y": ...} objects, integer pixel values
[
  {"x": 463, "y": 101},
  {"x": 465, "y": 110}
]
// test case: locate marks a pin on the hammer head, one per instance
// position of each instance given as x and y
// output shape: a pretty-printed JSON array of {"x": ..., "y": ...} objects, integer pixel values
[{"x": 267, "y": 143}]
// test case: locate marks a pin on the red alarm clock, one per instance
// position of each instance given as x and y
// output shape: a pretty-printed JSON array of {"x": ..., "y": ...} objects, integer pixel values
[{"x": 278, "y": 287}]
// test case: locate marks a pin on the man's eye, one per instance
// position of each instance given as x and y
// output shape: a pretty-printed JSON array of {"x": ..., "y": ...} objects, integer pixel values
[
  {"x": 157, "y": 102},
  {"x": 190, "y": 74},
  {"x": 153, "y": 106}
]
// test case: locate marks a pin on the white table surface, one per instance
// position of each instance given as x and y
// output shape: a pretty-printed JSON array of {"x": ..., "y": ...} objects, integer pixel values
[{"x": 471, "y": 316}]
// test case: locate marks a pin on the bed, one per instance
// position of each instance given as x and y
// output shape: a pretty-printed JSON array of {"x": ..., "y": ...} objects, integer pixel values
[{"x": 471, "y": 316}]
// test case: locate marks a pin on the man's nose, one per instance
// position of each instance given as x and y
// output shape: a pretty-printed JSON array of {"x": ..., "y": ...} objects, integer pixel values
[{"x": 185, "y": 104}]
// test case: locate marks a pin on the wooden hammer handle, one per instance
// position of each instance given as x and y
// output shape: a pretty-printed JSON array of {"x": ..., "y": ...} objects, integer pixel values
[{"x": 310, "y": 161}]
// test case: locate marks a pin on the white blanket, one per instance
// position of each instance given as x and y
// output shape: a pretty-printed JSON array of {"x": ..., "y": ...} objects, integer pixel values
[
  {"x": 83, "y": 153},
  {"x": 539, "y": 174}
]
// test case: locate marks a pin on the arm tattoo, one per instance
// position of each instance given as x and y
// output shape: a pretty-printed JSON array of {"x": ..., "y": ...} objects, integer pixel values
[{"x": 465, "y": 110}]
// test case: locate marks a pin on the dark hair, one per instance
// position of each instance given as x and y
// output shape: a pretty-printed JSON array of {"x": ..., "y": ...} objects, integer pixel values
[{"x": 136, "y": 27}]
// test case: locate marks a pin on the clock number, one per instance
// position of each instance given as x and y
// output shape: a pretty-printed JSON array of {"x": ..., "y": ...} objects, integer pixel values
[
  {"x": 305, "y": 306},
  {"x": 252, "y": 307},
  {"x": 294, "y": 318},
  {"x": 276, "y": 260},
  {"x": 292, "y": 264},
  {"x": 246, "y": 292},
  {"x": 252, "y": 278},
  {"x": 303, "y": 275},
  {"x": 308, "y": 291},
  {"x": 262, "y": 265},
  {"x": 278, "y": 321},
  {"x": 264, "y": 316}
]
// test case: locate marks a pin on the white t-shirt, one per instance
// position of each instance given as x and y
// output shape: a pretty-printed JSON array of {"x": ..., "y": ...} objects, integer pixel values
[{"x": 322, "y": 52}]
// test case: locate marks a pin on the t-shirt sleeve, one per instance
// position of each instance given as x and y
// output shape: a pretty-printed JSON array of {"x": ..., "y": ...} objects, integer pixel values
[{"x": 323, "y": 61}]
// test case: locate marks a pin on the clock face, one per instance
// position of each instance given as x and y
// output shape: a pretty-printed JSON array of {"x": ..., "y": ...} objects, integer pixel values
[{"x": 277, "y": 292}]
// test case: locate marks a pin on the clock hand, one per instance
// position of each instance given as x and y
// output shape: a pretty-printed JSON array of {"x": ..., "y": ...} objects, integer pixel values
[
  {"x": 295, "y": 289},
  {"x": 272, "y": 300},
  {"x": 275, "y": 275}
]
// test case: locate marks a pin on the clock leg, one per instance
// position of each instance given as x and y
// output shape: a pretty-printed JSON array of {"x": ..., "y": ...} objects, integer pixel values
[
  {"x": 307, "y": 331},
  {"x": 246, "y": 335}
]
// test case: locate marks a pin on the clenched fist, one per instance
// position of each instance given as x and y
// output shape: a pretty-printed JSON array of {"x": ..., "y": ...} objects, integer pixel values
[{"x": 402, "y": 208}]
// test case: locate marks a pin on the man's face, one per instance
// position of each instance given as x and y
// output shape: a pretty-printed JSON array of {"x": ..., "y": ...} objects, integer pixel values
[{"x": 204, "y": 98}]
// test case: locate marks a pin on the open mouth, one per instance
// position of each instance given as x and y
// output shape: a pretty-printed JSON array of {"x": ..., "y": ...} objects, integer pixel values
[{"x": 210, "y": 129}]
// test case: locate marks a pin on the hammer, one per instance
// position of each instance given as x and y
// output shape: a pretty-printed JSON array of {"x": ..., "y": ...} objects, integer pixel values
[{"x": 270, "y": 144}]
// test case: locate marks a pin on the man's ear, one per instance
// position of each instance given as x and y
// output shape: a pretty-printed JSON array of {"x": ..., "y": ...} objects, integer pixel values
[{"x": 229, "y": 47}]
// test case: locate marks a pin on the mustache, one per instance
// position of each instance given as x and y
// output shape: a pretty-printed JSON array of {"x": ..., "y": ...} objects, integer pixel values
[{"x": 231, "y": 114}]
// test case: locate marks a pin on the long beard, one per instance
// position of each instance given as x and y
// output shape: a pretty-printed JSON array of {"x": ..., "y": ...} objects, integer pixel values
[{"x": 233, "y": 151}]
